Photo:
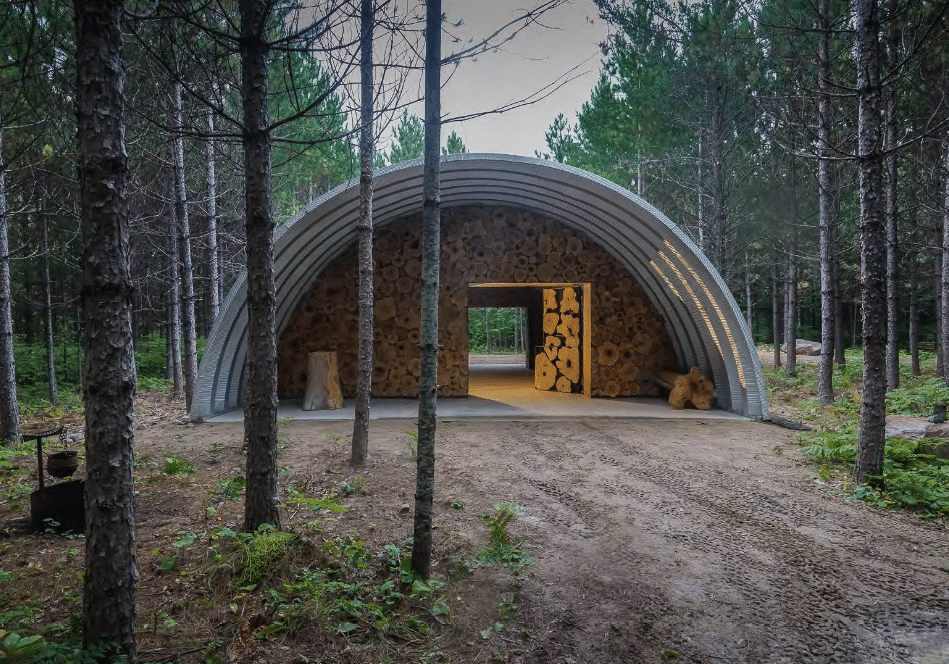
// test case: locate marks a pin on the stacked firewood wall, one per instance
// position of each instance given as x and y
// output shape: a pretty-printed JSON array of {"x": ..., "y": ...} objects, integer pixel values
[
  {"x": 557, "y": 365},
  {"x": 479, "y": 245}
]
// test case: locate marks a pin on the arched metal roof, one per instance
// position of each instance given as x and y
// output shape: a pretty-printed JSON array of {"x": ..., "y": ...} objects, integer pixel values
[{"x": 701, "y": 316}]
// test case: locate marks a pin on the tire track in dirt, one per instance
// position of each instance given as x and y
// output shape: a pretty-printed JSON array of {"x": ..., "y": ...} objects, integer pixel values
[
  {"x": 715, "y": 562},
  {"x": 820, "y": 616}
]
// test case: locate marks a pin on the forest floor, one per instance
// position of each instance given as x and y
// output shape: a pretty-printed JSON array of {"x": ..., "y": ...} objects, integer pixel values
[{"x": 651, "y": 540}]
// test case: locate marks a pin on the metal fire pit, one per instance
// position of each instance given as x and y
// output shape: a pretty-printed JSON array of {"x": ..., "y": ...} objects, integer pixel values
[{"x": 60, "y": 507}]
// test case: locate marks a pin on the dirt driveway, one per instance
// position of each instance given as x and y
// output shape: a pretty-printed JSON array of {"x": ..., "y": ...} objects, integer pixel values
[
  {"x": 700, "y": 539},
  {"x": 654, "y": 540}
]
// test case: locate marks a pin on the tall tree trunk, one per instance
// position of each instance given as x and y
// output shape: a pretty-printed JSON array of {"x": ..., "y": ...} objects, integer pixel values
[
  {"x": 360, "y": 444},
  {"x": 749, "y": 314},
  {"x": 839, "y": 354},
  {"x": 790, "y": 307},
  {"x": 890, "y": 217},
  {"x": 47, "y": 292},
  {"x": 869, "y": 462},
  {"x": 701, "y": 195},
  {"x": 937, "y": 291},
  {"x": 260, "y": 409},
  {"x": 775, "y": 312},
  {"x": 174, "y": 296},
  {"x": 944, "y": 285},
  {"x": 109, "y": 371},
  {"x": 9, "y": 406},
  {"x": 184, "y": 246},
  {"x": 825, "y": 379},
  {"x": 25, "y": 315},
  {"x": 912, "y": 259},
  {"x": 431, "y": 243},
  {"x": 210, "y": 176}
]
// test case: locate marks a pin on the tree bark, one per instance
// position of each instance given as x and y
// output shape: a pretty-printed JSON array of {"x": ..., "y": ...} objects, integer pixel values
[
  {"x": 701, "y": 195},
  {"x": 210, "y": 176},
  {"x": 869, "y": 462},
  {"x": 184, "y": 246},
  {"x": 936, "y": 277},
  {"x": 790, "y": 306},
  {"x": 749, "y": 314},
  {"x": 174, "y": 296},
  {"x": 360, "y": 445},
  {"x": 825, "y": 379},
  {"x": 839, "y": 351},
  {"x": 47, "y": 293},
  {"x": 775, "y": 312},
  {"x": 944, "y": 265},
  {"x": 912, "y": 260},
  {"x": 9, "y": 406},
  {"x": 431, "y": 243},
  {"x": 260, "y": 410},
  {"x": 890, "y": 214},
  {"x": 109, "y": 369}
]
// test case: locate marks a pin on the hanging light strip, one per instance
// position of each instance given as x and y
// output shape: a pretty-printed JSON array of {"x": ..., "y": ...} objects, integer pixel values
[
  {"x": 662, "y": 274},
  {"x": 718, "y": 311},
  {"x": 698, "y": 305}
]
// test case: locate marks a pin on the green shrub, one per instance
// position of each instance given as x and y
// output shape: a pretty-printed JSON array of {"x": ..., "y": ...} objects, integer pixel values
[
  {"x": 175, "y": 465},
  {"x": 917, "y": 396},
  {"x": 911, "y": 479}
]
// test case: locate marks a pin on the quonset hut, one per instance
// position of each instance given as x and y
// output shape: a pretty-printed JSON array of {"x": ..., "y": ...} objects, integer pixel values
[{"x": 512, "y": 228}]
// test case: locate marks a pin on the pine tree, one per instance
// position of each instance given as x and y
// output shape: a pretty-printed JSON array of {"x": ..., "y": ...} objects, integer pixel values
[{"x": 109, "y": 372}]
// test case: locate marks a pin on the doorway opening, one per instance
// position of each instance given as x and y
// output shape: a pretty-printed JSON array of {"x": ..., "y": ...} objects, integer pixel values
[{"x": 526, "y": 339}]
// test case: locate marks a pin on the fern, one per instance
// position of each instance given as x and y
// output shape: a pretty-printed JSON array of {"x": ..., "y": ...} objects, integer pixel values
[{"x": 917, "y": 396}]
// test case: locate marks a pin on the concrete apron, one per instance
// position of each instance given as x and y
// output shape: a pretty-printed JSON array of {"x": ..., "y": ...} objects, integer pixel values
[{"x": 500, "y": 392}]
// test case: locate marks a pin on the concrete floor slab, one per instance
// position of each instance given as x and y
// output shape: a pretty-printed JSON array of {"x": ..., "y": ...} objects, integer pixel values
[{"x": 500, "y": 392}]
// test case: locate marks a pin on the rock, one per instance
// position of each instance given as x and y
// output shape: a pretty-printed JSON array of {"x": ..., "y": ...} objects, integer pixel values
[
  {"x": 805, "y": 347},
  {"x": 939, "y": 414},
  {"x": 902, "y": 426},
  {"x": 939, "y": 449},
  {"x": 938, "y": 431},
  {"x": 405, "y": 509},
  {"x": 936, "y": 448}
]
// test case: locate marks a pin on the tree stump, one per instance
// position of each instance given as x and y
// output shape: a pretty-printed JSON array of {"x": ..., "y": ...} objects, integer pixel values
[{"x": 322, "y": 386}]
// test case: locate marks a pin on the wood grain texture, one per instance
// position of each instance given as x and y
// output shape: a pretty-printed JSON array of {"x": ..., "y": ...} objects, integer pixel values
[{"x": 481, "y": 244}]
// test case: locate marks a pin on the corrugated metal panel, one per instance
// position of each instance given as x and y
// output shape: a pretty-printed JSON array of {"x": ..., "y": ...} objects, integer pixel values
[{"x": 701, "y": 315}]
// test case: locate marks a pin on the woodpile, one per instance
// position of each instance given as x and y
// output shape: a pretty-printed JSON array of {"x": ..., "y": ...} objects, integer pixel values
[
  {"x": 687, "y": 389},
  {"x": 557, "y": 366},
  {"x": 480, "y": 244}
]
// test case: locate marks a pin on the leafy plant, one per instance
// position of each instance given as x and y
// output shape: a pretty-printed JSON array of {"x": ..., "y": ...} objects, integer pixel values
[
  {"x": 230, "y": 487},
  {"x": 262, "y": 554},
  {"x": 175, "y": 465},
  {"x": 502, "y": 549},
  {"x": 297, "y": 497},
  {"x": 355, "y": 485},
  {"x": 917, "y": 396},
  {"x": 16, "y": 648},
  {"x": 411, "y": 442},
  {"x": 911, "y": 479}
]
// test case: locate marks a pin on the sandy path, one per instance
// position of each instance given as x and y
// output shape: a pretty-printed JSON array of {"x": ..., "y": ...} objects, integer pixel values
[{"x": 700, "y": 539}]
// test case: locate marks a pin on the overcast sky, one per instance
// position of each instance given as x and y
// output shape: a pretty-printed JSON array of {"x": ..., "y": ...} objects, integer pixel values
[{"x": 537, "y": 57}]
